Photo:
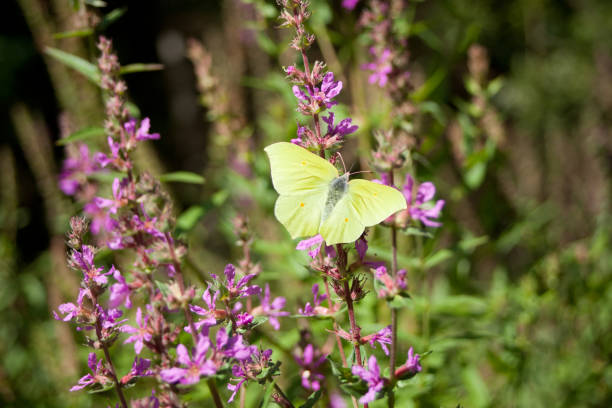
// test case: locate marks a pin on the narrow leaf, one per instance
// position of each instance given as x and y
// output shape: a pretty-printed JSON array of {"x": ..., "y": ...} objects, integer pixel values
[
  {"x": 312, "y": 399},
  {"x": 86, "y": 32},
  {"x": 83, "y": 134},
  {"x": 268, "y": 395},
  {"x": 89, "y": 70},
  {"x": 131, "y": 68},
  {"x": 189, "y": 218},
  {"x": 182, "y": 177}
]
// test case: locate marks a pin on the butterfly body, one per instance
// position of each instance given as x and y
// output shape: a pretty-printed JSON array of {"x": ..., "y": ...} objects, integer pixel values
[{"x": 314, "y": 199}]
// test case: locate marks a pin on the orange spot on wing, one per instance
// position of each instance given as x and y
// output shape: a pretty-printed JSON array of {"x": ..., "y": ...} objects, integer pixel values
[
  {"x": 346, "y": 220},
  {"x": 303, "y": 163},
  {"x": 301, "y": 204}
]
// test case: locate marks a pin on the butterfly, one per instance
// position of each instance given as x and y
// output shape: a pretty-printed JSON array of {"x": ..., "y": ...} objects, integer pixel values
[{"x": 315, "y": 199}]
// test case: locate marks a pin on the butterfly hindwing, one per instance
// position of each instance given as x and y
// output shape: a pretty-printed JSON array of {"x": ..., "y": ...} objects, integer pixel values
[
  {"x": 300, "y": 214},
  {"x": 343, "y": 223},
  {"x": 297, "y": 171},
  {"x": 373, "y": 202}
]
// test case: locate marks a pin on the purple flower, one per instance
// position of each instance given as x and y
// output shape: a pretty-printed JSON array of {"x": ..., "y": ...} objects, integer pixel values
[
  {"x": 233, "y": 347},
  {"x": 119, "y": 197},
  {"x": 361, "y": 245},
  {"x": 147, "y": 225},
  {"x": 240, "y": 373},
  {"x": 371, "y": 376},
  {"x": 140, "y": 334},
  {"x": 140, "y": 368},
  {"x": 411, "y": 367},
  {"x": 391, "y": 287},
  {"x": 313, "y": 100},
  {"x": 313, "y": 245},
  {"x": 380, "y": 68},
  {"x": 345, "y": 127},
  {"x": 99, "y": 218},
  {"x": 309, "y": 361},
  {"x": 315, "y": 308},
  {"x": 239, "y": 289},
  {"x": 336, "y": 401},
  {"x": 421, "y": 208},
  {"x": 209, "y": 314},
  {"x": 243, "y": 319},
  {"x": 120, "y": 291},
  {"x": 194, "y": 368},
  {"x": 147, "y": 402},
  {"x": 84, "y": 260},
  {"x": 70, "y": 310},
  {"x": 115, "y": 159},
  {"x": 142, "y": 133},
  {"x": 349, "y": 4},
  {"x": 273, "y": 310},
  {"x": 99, "y": 376},
  {"x": 383, "y": 337},
  {"x": 75, "y": 170}
]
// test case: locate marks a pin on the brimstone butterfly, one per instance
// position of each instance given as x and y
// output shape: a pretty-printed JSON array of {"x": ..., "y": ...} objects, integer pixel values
[{"x": 314, "y": 199}]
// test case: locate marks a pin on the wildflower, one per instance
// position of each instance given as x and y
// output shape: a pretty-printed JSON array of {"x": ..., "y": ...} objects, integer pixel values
[
  {"x": 380, "y": 68},
  {"x": 142, "y": 133},
  {"x": 100, "y": 375},
  {"x": 75, "y": 170},
  {"x": 249, "y": 369},
  {"x": 371, "y": 375},
  {"x": 141, "y": 334},
  {"x": 119, "y": 292},
  {"x": 120, "y": 197},
  {"x": 147, "y": 402},
  {"x": 309, "y": 361},
  {"x": 84, "y": 260},
  {"x": 194, "y": 368},
  {"x": 314, "y": 244},
  {"x": 421, "y": 208},
  {"x": 336, "y": 133},
  {"x": 140, "y": 368},
  {"x": 238, "y": 289},
  {"x": 210, "y": 314},
  {"x": 313, "y": 100},
  {"x": 271, "y": 309},
  {"x": 71, "y": 310},
  {"x": 315, "y": 308},
  {"x": 411, "y": 367},
  {"x": 361, "y": 246},
  {"x": 382, "y": 337},
  {"x": 240, "y": 373},
  {"x": 392, "y": 286},
  {"x": 233, "y": 347}
]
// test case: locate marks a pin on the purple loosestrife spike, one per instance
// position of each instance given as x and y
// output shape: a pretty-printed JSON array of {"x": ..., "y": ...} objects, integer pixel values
[
  {"x": 193, "y": 368},
  {"x": 371, "y": 375},
  {"x": 140, "y": 334},
  {"x": 310, "y": 361},
  {"x": 420, "y": 208}
]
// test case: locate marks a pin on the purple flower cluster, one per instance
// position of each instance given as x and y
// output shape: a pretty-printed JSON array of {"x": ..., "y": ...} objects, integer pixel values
[
  {"x": 310, "y": 362},
  {"x": 391, "y": 287}
]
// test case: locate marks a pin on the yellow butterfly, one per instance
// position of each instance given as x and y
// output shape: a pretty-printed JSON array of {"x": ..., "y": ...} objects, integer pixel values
[{"x": 314, "y": 199}]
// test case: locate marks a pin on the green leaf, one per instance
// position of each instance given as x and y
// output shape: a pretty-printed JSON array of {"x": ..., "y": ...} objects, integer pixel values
[
  {"x": 89, "y": 70},
  {"x": 435, "y": 110},
  {"x": 85, "y": 32},
  {"x": 131, "y": 68},
  {"x": 469, "y": 244},
  {"x": 430, "y": 85},
  {"x": 182, "y": 177},
  {"x": 495, "y": 86},
  {"x": 96, "y": 3},
  {"x": 417, "y": 232},
  {"x": 111, "y": 17},
  {"x": 312, "y": 399},
  {"x": 189, "y": 218},
  {"x": 268, "y": 395},
  {"x": 438, "y": 257},
  {"x": 83, "y": 134}
]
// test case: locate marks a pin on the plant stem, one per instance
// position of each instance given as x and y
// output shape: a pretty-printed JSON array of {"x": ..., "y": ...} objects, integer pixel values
[{"x": 283, "y": 397}]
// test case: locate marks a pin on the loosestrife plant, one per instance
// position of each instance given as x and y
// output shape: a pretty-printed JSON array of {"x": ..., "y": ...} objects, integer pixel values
[{"x": 180, "y": 334}]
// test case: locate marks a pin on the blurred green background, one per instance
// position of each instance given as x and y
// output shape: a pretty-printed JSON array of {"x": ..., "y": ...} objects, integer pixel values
[{"x": 513, "y": 295}]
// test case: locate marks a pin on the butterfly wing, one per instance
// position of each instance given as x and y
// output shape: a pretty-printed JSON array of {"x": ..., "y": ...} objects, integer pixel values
[
  {"x": 373, "y": 202},
  {"x": 302, "y": 180},
  {"x": 297, "y": 171},
  {"x": 365, "y": 204},
  {"x": 343, "y": 223}
]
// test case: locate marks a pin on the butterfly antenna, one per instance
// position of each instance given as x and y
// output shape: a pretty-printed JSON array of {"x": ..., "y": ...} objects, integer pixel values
[
  {"x": 362, "y": 171},
  {"x": 342, "y": 160}
]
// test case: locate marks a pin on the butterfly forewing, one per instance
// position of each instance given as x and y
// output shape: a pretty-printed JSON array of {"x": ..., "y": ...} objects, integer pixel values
[
  {"x": 296, "y": 171},
  {"x": 373, "y": 202}
]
